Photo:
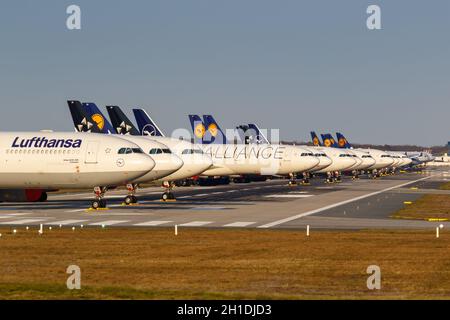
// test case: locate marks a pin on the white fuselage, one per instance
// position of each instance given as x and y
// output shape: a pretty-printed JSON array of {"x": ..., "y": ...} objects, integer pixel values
[
  {"x": 365, "y": 160},
  {"x": 194, "y": 160},
  {"x": 68, "y": 160},
  {"x": 166, "y": 162},
  {"x": 261, "y": 159},
  {"x": 382, "y": 159},
  {"x": 341, "y": 159}
]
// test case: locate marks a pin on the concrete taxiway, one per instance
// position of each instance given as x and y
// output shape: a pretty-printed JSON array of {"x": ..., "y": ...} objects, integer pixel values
[{"x": 363, "y": 203}]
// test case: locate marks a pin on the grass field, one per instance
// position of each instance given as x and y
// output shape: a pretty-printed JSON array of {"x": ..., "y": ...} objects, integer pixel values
[
  {"x": 429, "y": 206},
  {"x": 445, "y": 186},
  {"x": 217, "y": 264}
]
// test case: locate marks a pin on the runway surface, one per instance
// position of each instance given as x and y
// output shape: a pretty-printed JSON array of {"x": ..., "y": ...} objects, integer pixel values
[{"x": 359, "y": 204}]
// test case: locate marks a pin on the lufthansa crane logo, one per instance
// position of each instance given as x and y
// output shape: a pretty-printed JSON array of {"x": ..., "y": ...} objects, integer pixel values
[
  {"x": 316, "y": 141},
  {"x": 149, "y": 130},
  {"x": 342, "y": 142},
  {"x": 327, "y": 142},
  {"x": 200, "y": 131},
  {"x": 120, "y": 163},
  {"x": 98, "y": 119},
  {"x": 213, "y": 129}
]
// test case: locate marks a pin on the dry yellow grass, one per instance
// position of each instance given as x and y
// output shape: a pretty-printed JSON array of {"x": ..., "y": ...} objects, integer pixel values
[
  {"x": 215, "y": 264},
  {"x": 429, "y": 206},
  {"x": 445, "y": 186}
]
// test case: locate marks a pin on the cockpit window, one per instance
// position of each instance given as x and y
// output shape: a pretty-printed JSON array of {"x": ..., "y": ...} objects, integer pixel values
[
  {"x": 130, "y": 150},
  {"x": 385, "y": 156},
  {"x": 307, "y": 154},
  {"x": 137, "y": 150},
  {"x": 167, "y": 151},
  {"x": 125, "y": 151},
  {"x": 156, "y": 151},
  {"x": 366, "y": 156}
]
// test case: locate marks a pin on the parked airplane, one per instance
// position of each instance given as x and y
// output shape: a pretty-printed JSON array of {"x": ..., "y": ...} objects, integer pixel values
[
  {"x": 363, "y": 159},
  {"x": 87, "y": 118},
  {"x": 244, "y": 159},
  {"x": 34, "y": 163},
  {"x": 251, "y": 133},
  {"x": 382, "y": 159},
  {"x": 194, "y": 161}
]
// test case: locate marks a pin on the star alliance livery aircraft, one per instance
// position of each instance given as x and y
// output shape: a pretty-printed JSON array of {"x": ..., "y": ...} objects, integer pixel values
[{"x": 35, "y": 163}]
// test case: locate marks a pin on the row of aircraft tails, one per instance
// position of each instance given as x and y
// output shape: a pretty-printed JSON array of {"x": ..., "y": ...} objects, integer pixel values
[{"x": 103, "y": 155}]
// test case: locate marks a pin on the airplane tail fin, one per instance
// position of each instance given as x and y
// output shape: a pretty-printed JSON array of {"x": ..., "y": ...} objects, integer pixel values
[
  {"x": 198, "y": 128},
  {"x": 146, "y": 124},
  {"x": 213, "y": 133},
  {"x": 80, "y": 118},
  {"x": 315, "y": 139},
  {"x": 252, "y": 134},
  {"x": 342, "y": 141},
  {"x": 98, "y": 118},
  {"x": 328, "y": 140},
  {"x": 120, "y": 121}
]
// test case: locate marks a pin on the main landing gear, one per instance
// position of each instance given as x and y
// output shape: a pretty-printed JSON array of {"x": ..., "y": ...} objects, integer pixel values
[
  {"x": 99, "y": 202},
  {"x": 131, "y": 199},
  {"x": 168, "y": 195}
]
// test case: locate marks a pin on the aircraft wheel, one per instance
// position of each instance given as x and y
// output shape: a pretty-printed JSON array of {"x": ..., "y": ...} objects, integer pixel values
[
  {"x": 129, "y": 200},
  {"x": 96, "y": 204},
  {"x": 165, "y": 196}
]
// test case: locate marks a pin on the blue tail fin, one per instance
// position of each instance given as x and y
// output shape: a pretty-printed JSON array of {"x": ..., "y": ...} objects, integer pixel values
[
  {"x": 146, "y": 125},
  {"x": 315, "y": 139},
  {"x": 198, "y": 128},
  {"x": 81, "y": 119},
  {"x": 120, "y": 121},
  {"x": 98, "y": 118},
  {"x": 328, "y": 140},
  {"x": 342, "y": 141},
  {"x": 213, "y": 134}
]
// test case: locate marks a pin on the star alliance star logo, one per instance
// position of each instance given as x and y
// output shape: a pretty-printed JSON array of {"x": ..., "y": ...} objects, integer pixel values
[
  {"x": 85, "y": 126},
  {"x": 124, "y": 128}
]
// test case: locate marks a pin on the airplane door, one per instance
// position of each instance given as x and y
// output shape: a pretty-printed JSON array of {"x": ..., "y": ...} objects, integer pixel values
[{"x": 92, "y": 152}]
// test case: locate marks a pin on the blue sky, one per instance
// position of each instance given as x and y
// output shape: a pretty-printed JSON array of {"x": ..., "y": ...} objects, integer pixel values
[{"x": 294, "y": 65}]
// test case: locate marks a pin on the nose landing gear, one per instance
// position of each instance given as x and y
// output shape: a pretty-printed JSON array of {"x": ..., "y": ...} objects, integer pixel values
[
  {"x": 131, "y": 199},
  {"x": 305, "y": 180},
  {"x": 292, "y": 180},
  {"x": 99, "y": 202},
  {"x": 168, "y": 195}
]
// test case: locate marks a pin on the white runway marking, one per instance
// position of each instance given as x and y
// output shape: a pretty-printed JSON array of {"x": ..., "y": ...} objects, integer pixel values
[
  {"x": 151, "y": 223},
  {"x": 289, "y": 196},
  {"x": 108, "y": 222},
  {"x": 308, "y": 213},
  {"x": 23, "y": 221},
  {"x": 195, "y": 223},
  {"x": 65, "y": 222},
  {"x": 239, "y": 224},
  {"x": 201, "y": 195},
  {"x": 217, "y": 193},
  {"x": 184, "y": 197},
  {"x": 12, "y": 215},
  {"x": 76, "y": 210}
]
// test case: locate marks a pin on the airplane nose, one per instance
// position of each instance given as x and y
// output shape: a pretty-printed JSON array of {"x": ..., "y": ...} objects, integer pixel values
[
  {"x": 140, "y": 163},
  {"x": 175, "y": 163},
  {"x": 306, "y": 163},
  {"x": 206, "y": 162}
]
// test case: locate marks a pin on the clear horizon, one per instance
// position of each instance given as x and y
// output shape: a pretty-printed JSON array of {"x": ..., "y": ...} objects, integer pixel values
[{"x": 294, "y": 65}]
